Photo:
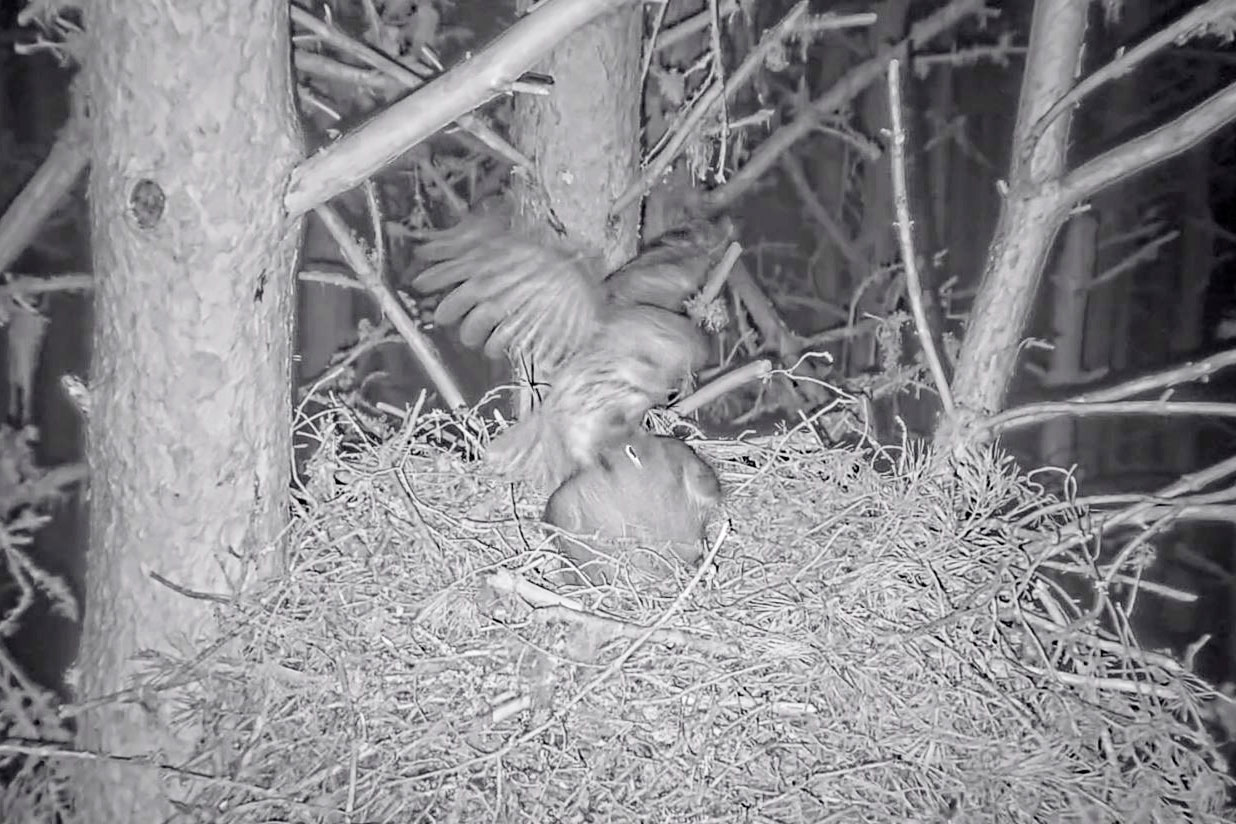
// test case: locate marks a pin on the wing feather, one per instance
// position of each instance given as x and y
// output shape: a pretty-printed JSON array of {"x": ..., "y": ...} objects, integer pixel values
[{"x": 509, "y": 292}]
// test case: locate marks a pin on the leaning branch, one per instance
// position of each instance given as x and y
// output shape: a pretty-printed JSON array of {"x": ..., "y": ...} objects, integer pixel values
[
  {"x": 43, "y": 192},
  {"x": 409, "y": 78},
  {"x": 901, "y": 200},
  {"x": 372, "y": 146},
  {"x": 392, "y": 307}
]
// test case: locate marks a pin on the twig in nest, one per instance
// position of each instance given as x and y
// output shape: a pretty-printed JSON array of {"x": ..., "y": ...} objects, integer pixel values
[
  {"x": 716, "y": 278},
  {"x": 901, "y": 200},
  {"x": 391, "y": 307},
  {"x": 726, "y": 383}
]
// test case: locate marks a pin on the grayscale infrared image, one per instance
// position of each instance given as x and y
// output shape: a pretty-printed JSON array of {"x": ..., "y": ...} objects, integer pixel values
[{"x": 618, "y": 411}]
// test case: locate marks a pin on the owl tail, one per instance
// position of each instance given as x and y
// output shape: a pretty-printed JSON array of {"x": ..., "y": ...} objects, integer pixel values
[{"x": 532, "y": 450}]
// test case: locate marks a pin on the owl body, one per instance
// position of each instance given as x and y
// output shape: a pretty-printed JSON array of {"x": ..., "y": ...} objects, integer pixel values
[{"x": 643, "y": 503}]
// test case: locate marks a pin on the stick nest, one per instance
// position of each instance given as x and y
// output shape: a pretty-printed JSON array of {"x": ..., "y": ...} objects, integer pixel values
[{"x": 868, "y": 646}]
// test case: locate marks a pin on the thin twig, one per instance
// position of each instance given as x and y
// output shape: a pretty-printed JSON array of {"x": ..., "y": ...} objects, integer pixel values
[
  {"x": 901, "y": 200},
  {"x": 392, "y": 307},
  {"x": 850, "y": 86},
  {"x": 756, "y": 370},
  {"x": 657, "y": 166}
]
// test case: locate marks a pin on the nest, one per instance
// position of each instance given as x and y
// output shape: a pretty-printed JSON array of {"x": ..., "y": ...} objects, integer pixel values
[{"x": 860, "y": 645}]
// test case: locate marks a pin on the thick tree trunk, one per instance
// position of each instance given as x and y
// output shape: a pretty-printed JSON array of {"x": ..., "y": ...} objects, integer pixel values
[
  {"x": 194, "y": 133},
  {"x": 1031, "y": 215}
]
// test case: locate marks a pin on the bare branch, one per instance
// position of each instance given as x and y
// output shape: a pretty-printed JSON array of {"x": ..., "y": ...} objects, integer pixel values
[
  {"x": 418, "y": 116},
  {"x": 657, "y": 166},
  {"x": 409, "y": 78},
  {"x": 1167, "y": 141},
  {"x": 392, "y": 307},
  {"x": 901, "y": 200},
  {"x": 841, "y": 93},
  {"x": 43, "y": 192}
]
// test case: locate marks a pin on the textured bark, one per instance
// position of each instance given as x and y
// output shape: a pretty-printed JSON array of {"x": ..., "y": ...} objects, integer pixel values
[
  {"x": 1030, "y": 217},
  {"x": 583, "y": 137},
  {"x": 189, "y": 442}
]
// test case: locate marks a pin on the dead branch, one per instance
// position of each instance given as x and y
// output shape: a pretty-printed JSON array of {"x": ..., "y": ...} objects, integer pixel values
[
  {"x": 1033, "y": 413},
  {"x": 657, "y": 166},
  {"x": 756, "y": 370},
  {"x": 901, "y": 200},
  {"x": 774, "y": 331},
  {"x": 793, "y": 170},
  {"x": 1165, "y": 142},
  {"x": 409, "y": 78},
  {"x": 404, "y": 124},
  {"x": 1144, "y": 253},
  {"x": 392, "y": 307},
  {"x": 17, "y": 284},
  {"x": 317, "y": 65},
  {"x": 44, "y": 191},
  {"x": 841, "y": 93}
]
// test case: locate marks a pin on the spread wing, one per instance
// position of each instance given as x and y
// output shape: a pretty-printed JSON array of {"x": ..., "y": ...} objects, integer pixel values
[
  {"x": 601, "y": 395},
  {"x": 508, "y": 292},
  {"x": 673, "y": 267}
]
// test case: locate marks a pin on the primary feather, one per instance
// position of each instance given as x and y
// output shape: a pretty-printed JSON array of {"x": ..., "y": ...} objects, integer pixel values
[{"x": 612, "y": 347}]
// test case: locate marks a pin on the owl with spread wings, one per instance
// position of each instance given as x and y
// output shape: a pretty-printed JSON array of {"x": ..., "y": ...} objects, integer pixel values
[{"x": 611, "y": 345}]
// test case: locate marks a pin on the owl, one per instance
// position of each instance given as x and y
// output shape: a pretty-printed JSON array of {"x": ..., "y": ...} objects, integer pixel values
[{"x": 610, "y": 345}]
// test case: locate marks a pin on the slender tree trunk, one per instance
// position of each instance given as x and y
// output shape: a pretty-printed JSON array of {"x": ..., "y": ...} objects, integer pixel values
[
  {"x": 1031, "y": 214},
  {"x": 583, "y": 139},
  {"x": 194, "y": 133},
  {"x": 584, "y": 136}
]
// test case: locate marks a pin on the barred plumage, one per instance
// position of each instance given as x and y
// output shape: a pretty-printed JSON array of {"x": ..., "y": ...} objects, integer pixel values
[
  {"x": 654, "y": 490},
  {"x": 610, "y": 347}
]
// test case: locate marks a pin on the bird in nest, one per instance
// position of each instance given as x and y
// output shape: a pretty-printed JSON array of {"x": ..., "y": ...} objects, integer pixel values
[
  {"x": 611, "y": 345},
  {"x": 650, "y": 489}
]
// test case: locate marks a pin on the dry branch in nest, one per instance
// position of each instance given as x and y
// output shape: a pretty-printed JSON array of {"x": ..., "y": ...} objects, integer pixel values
[{"x": 866, "y": 646}]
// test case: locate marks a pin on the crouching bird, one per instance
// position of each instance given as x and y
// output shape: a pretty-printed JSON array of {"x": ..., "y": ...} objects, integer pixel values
[
  {"x": 641, "y": 507},
  {"x": 611, "y": 345}
]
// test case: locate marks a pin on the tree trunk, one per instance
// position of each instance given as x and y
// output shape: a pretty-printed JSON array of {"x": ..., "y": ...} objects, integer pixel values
[
  {"x": 194, "y": 133},
  {"x": 583, "y": 139},
  {"x": 1067, "y": 321},
  {"x": 1031, "y": 214}
]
